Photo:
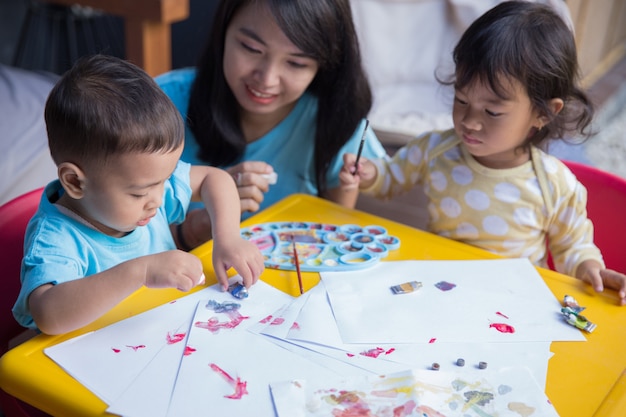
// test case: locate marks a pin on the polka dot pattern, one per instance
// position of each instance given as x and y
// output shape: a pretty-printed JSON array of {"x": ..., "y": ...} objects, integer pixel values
[{"x": 501, "y": 210}]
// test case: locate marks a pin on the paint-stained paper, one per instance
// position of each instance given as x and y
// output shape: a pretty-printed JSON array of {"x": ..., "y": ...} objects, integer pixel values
[
  {"x": 508, "y": 393},
  {"x": 500, "y": 300}
]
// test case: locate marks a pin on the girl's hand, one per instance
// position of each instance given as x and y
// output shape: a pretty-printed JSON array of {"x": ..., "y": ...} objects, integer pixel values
[
  {"x": 252, "y": 183},
  {"x": 361, "y": 177},
  {"x": 591, "y": 272},
  {"x": 615, "y": 280},
  {"x": 348, "y": 178}
]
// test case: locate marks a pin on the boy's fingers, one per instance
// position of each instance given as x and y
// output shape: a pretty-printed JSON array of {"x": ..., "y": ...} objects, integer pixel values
[{"x": 222, "y": 276}]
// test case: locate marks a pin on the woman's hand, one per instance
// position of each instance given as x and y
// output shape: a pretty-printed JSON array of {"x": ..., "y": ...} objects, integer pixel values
[{"x": 253, "y": 181}]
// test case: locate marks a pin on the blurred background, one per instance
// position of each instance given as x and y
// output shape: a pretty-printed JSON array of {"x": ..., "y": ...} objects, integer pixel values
[{"x": 403, "y": 43}]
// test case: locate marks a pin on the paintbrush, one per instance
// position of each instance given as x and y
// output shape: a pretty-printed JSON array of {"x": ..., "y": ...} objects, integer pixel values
[
  {"x": 358, "y": 154},
  {"x": 297, "y": 263}
]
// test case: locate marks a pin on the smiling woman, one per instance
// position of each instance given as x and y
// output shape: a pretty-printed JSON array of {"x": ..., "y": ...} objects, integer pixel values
[{"x": 269, "y": 96}]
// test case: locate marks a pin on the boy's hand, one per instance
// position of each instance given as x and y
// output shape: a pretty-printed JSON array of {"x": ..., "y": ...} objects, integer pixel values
[
  {"x": 252, "y": 183},
  {"x": 361, "y": 176},
  {"x": 592, "y": 273},
  {"x": 240, "y": 254},
  {"x": 173, "y": 269}
]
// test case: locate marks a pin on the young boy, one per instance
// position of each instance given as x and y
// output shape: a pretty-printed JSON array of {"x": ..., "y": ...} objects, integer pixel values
[{"x": 102, "y": 229}]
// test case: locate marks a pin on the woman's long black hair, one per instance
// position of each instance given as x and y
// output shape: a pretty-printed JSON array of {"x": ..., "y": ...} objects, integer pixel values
[{"x": 322, "y": 29}]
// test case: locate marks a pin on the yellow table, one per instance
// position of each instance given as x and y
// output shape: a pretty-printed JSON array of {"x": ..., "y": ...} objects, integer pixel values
[{"x": 584, "y": 378}]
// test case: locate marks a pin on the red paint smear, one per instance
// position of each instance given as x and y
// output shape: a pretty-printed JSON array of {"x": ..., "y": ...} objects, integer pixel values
[
  {"x": 115, "y": 350},
  {"x": 502, "y": 327},
  {"x": 266, "y": 319},
  {"x": 391, "y": 350},
  {"x": 295, "y": 326},
  {"x": 277, "y": 321},
  {"x": 373, "y": 353},
  {"x": 503, "y": 315},
  {"x": 173, "y": 301},
  {"x": 353, "y": 405},
  {"x": 350, "y": 355},
  {"x": 174, "y": 338},
  {"x": 135, "y": 348},
  {"x": 188, "y": 351},
  {"x": 432, "y": 340},
  {"x": 404, "y": 410},
  {"x": 214, "y": 325},
  {"x": 239, "y": 385}
]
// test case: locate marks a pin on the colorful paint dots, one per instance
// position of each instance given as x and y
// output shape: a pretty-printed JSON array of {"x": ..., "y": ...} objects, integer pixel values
[{"x": 320, "y": 246}]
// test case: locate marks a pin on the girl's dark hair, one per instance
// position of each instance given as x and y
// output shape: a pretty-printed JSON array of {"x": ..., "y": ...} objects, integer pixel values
[
  {"x": 528, "y": 42},
  {"x": 322, "y": 29},
  {"x": 104, "y": 106}
]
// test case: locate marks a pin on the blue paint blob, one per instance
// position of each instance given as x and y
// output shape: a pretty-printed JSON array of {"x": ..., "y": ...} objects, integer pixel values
[{"x": 445, "y": 285}]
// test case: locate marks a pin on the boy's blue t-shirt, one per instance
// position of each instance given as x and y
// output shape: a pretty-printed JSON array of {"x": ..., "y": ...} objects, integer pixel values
[
  {"x": 288, "y": 148},
  {"x": 58, "y": 248}
]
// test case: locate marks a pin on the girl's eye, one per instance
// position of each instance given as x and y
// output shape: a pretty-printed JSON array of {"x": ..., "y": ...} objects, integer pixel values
[
  {"x": 492, "y": 114},
  {"x": 458, "y": 100},
  {"x": 138, "y": 195}
]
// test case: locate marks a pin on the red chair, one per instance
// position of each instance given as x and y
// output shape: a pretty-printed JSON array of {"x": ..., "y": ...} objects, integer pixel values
[
  {"x": 606, "y": 203},
  {"x": 14, "y": 216}
]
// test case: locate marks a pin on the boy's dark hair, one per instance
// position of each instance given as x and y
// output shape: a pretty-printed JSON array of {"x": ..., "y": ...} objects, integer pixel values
[
  {"x": 530, "y": 43},
  {"x": 104, "y": 106},
  {"x": 322, "y": 29}
]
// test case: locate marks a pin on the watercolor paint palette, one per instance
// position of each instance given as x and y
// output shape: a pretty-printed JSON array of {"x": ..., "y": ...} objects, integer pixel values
[{"x": 320, "y": 247}]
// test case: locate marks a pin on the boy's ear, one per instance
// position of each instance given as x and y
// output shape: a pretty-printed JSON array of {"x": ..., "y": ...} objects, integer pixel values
[
  {"x": 556, "y": 105},
  {"x": 72, "y": 179}
]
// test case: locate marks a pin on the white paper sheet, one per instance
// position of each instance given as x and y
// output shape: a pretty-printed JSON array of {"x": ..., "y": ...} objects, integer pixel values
[
  {"x": 507, "y": 393},
  {"x": 150, "y": 394},
  {"x": 108, "y": 360},
  {"x": 138, "y": 358},
  {"x": 460, "y": 301},
  {"x": 229, "y": 371},
  {"x": 317, "y": 330}
]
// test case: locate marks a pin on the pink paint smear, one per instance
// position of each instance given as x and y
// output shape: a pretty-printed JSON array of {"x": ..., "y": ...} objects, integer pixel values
[
  {"x": 232, "y": 312},
  {"x": 135, "y": 348},
  {"x": 376, "y": 352},
  {"x": 174, "y": 338},
  {"x": 502, "y": 327},
  {"x": 238, "y": 384}
]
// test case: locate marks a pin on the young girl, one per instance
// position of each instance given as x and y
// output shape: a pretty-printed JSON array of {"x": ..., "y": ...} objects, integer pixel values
[
  {"x": 279, "y": 89},
  {"x": 487, "y": 181}
]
